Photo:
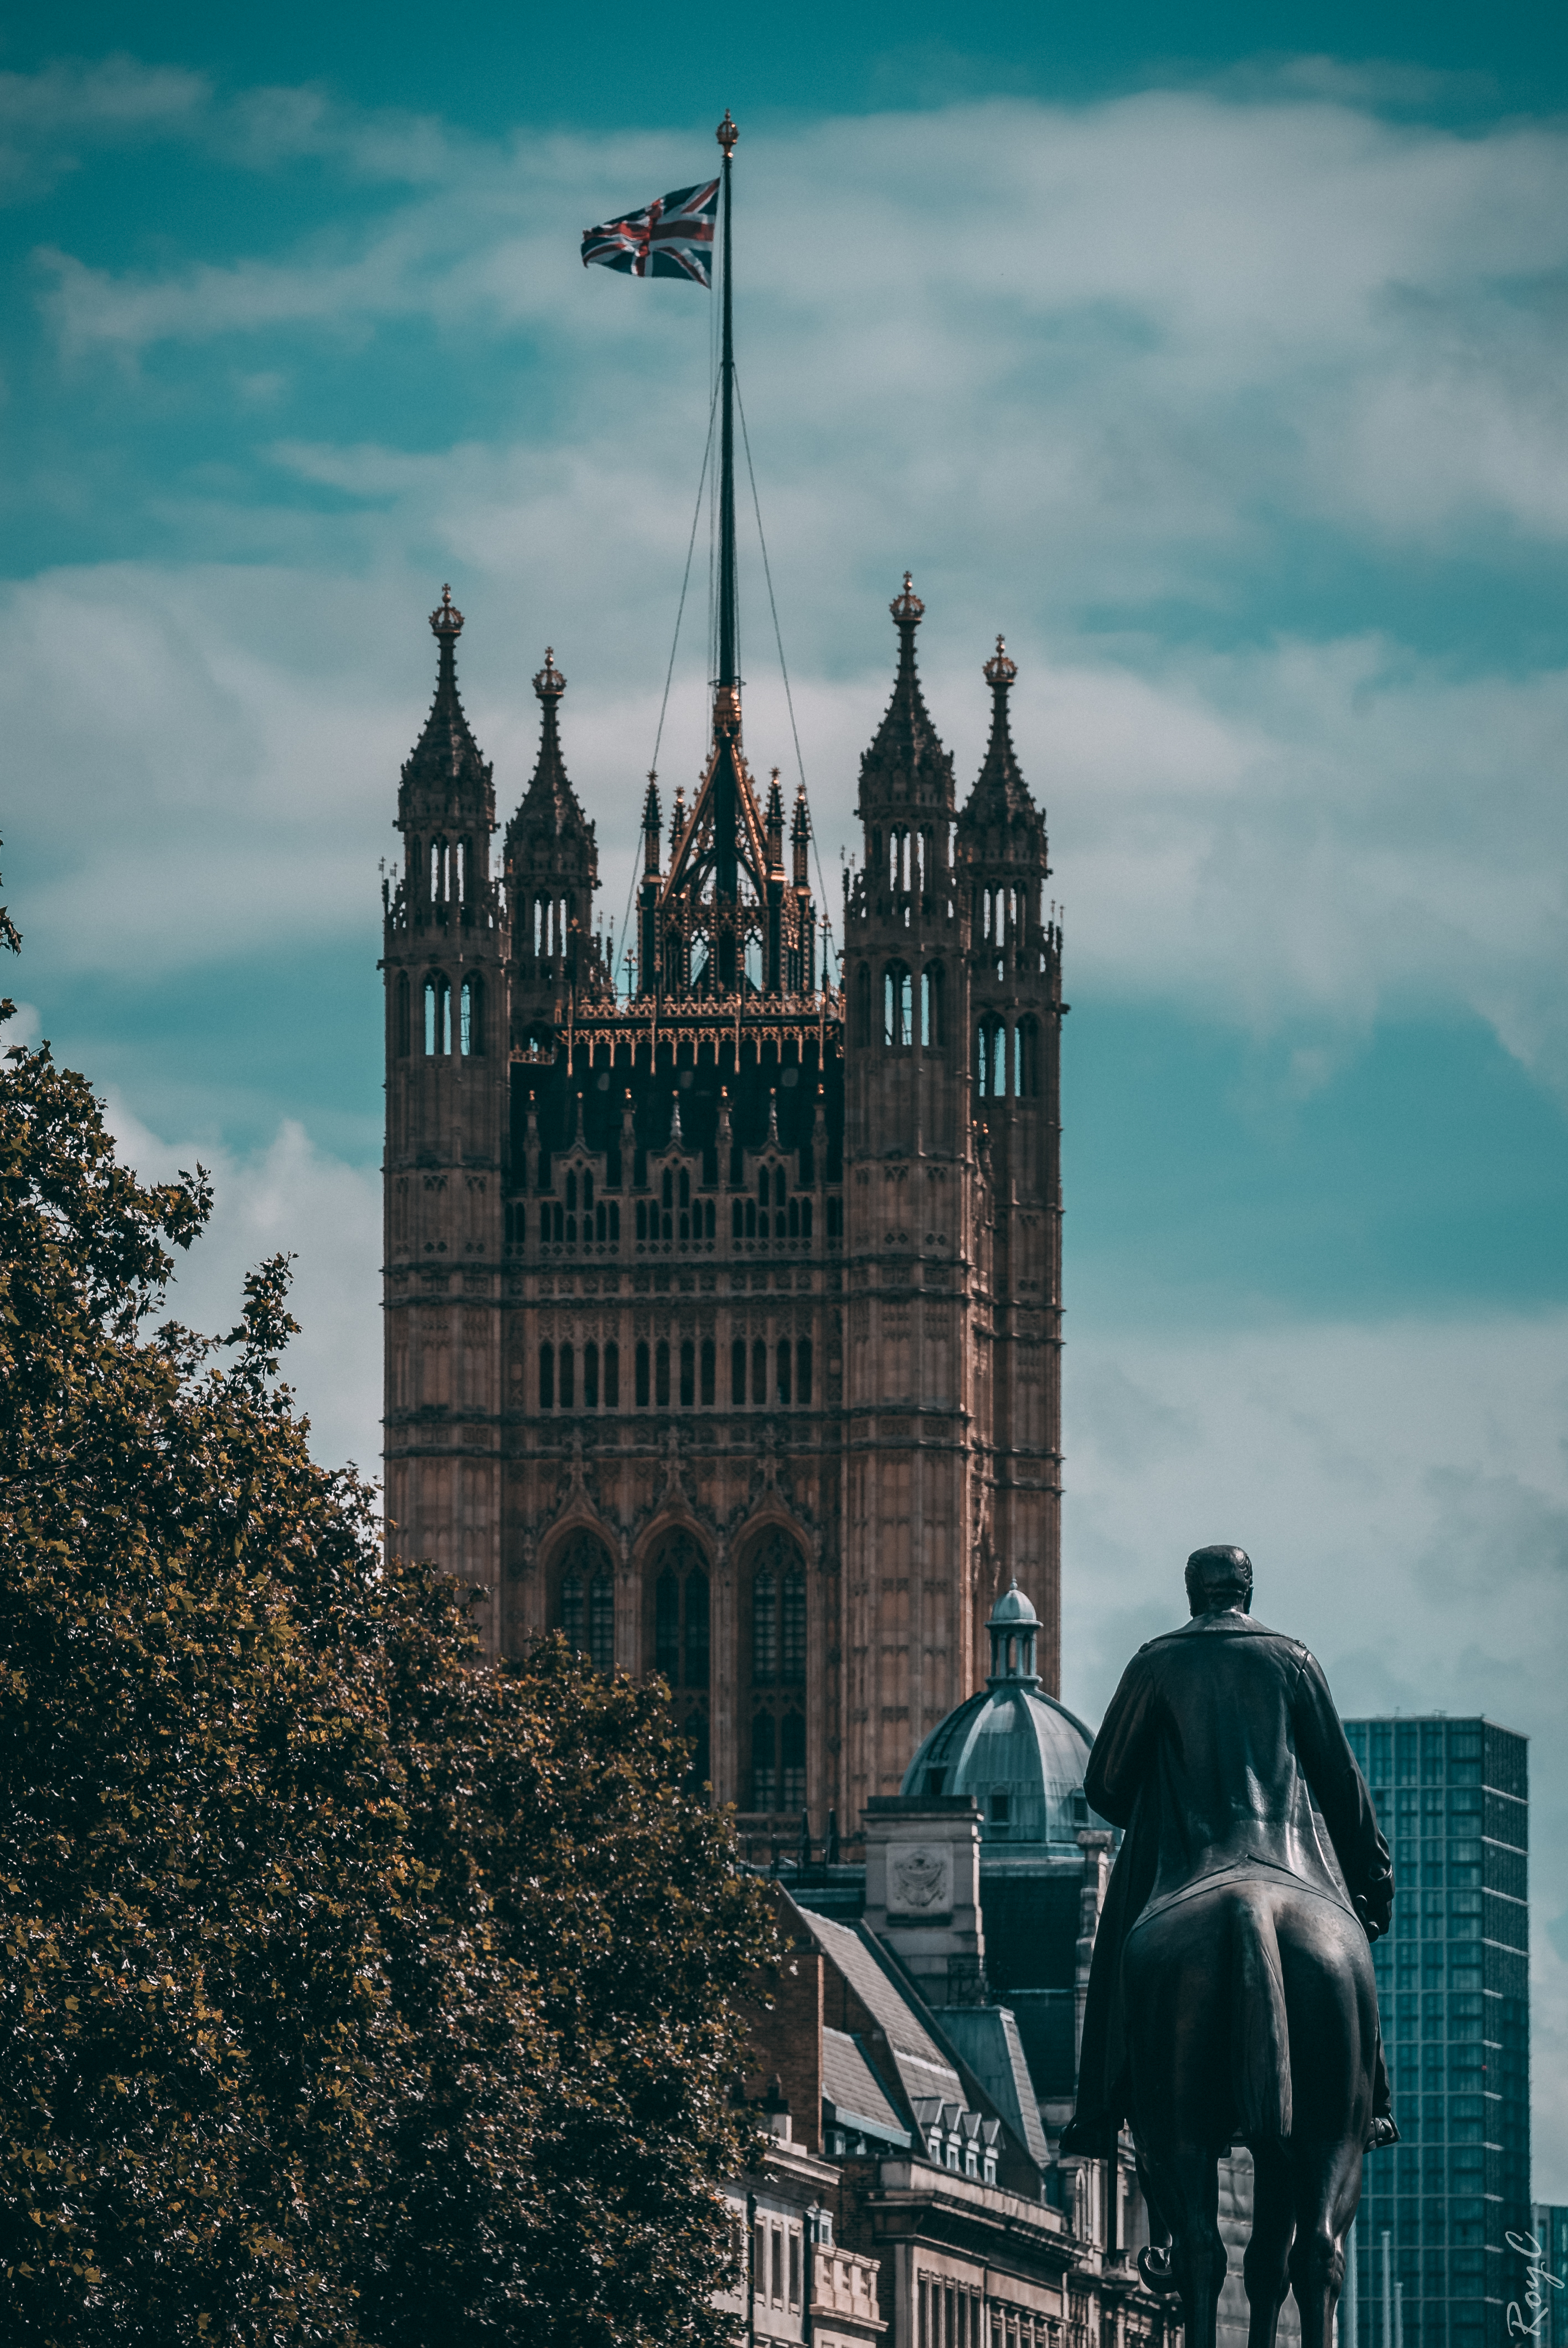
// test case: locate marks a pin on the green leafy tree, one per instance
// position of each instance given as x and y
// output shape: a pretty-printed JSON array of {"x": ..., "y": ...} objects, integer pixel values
[{"x": 350, "y": 1991}]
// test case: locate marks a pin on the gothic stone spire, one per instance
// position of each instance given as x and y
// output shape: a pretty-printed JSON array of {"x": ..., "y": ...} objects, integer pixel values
[
  {"x": 999, "y": 819},
  {"x": 549, "y": 831},
  {"x": 906, "y": 765},
  {"x": 445, "y": 780}
]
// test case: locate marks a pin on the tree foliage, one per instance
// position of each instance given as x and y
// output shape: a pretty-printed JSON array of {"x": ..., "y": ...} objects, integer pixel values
[{"x": 350, "y": 1991}]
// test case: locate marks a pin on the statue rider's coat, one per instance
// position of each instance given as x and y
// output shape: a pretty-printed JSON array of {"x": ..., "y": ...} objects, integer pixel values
[{"x": 1222, "y": 1753}]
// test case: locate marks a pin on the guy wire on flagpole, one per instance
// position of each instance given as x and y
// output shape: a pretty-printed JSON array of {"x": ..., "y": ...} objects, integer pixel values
[
  {"x": 674, "y": 646},
  {"x": 778, "y": 639}
]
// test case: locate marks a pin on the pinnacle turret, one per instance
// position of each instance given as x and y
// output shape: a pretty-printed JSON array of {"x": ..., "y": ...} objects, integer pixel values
[
  {"x": 999, "y": 819},
  {"x": 550, "y": 830},
  {"x": 446, "y": 778},
  {"x": 906, "y": 762}
]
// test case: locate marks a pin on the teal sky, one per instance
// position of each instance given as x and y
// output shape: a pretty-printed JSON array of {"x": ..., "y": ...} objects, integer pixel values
[{"x": 1219, "y": 359}]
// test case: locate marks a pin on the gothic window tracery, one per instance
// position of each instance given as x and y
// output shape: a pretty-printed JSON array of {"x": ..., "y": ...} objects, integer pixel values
[
  {"x": 933, "y": 1007},
  {"x": 897, "y": 1026},
  {"x": 471, "y": 1022},
  {"x": 400, "y": 1021},
  {"x": 437, "y": 1014},
  {"x": 584, "y": 1609}
]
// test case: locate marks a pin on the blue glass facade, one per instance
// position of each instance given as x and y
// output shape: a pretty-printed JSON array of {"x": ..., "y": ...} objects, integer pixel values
[
  {"x": 1453, "y": 1797},
  {"x": 1549, "y": 2231}
]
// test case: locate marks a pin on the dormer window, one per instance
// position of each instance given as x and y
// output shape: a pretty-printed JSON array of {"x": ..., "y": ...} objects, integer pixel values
[{"x": 1002, "y": 1809}]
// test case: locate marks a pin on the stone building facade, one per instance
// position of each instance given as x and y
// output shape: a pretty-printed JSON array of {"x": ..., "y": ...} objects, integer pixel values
[{"x": 723, "y": 1315}]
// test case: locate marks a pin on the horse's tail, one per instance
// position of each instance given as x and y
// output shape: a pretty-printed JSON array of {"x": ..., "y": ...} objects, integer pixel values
[{"x": 1260, "y": 2032}]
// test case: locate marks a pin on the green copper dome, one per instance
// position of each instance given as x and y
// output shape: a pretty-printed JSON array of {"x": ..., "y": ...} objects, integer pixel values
[{"x": 1020, "y": 1752}]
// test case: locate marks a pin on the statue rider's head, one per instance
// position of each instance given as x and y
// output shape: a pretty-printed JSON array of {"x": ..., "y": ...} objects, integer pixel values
[{"x": 1218, "y": 1579}]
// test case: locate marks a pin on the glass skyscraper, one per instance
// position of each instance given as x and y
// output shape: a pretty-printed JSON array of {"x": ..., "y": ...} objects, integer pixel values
[{"x": 1433, "y": 2265}]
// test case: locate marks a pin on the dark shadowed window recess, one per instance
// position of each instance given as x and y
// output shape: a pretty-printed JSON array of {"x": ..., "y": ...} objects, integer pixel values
[
  {"x": 642, "y": 1375},
  {"x": 759, "y": 1370},
  {"x": 584, "y": 1609},
  {"x": 738, "y": 1372},
  {"x": 709, "y": 1368},
  {"x": 678, "y": 1635},
  {"x": 547, "y": 1378},
  {"x": 662, "y": 1374},
  {"x": 400, "y": 1023},
  {"x": 764, "y": 1762},
  {"x": 591, "y": 1378},
  {"x": 792, "y": 1762},
  {"x": 566, "y": 1371},
  {"x": 688, "y": 1373},
  {"x": 612, "y": 1376}
]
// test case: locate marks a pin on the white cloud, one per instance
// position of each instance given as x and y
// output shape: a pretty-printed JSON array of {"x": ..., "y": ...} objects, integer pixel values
[
  {"x": 1302, "y": 833},
  {"x": 289, "y": 1198},
  {"x": 49, "y": 119},
  {"x": 1382, "y": 1479}
]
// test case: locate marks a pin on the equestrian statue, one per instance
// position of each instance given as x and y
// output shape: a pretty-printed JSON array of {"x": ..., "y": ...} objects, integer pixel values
[{"x": 1231, "y": 1994}]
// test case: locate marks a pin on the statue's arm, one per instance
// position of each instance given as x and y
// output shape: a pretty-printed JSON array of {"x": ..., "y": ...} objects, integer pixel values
[
  {"x": 1335, "y": 1776},
  {"x": 1117, "y": 1763}
]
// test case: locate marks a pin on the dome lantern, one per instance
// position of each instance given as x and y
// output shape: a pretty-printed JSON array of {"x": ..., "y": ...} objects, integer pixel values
[
  {"x": 1014, "y": 1627},
  {"x": 1016, "y": 1751}
]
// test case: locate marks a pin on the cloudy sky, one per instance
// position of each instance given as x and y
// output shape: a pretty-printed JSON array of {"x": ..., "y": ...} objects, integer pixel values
[{"x": 1225, "y": 374}]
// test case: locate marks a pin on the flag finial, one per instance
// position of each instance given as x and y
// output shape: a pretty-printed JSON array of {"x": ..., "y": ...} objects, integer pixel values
[{"x": 726, "y": 133}]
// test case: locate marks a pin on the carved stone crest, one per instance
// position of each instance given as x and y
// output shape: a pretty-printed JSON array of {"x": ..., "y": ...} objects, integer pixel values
[{"x": 919, "y": 1879}]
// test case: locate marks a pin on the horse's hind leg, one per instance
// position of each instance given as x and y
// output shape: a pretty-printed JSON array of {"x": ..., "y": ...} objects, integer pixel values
[
  {"x": 1185, "y": 2181},
  {"x": 1265, "y": 2267},
  {"x": 1328, "y": 2189}
]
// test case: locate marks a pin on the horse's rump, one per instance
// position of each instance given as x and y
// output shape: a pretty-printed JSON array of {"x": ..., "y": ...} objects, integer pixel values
[{"x": 1217, "y": 1983}]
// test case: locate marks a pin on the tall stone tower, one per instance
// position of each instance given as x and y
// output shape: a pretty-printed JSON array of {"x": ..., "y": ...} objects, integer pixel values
[{"x": 723, "y": 1316}]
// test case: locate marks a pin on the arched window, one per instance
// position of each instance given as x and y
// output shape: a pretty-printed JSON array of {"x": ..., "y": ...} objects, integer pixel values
[
  {"x": 601, "y": 1622},
  {"x": 863, "y": 1003},
  {"x": 933, "y": 1009},
  {"x": 778, "y": 1614},
  {"x": 688, "y": 1373},
  {"x": 591, "y": 1378},
  {"x": 612, "y": 1376},
  {"x": 759, "y": 1370},
  {"x": 662, "y": 1374},
  {"x": 400, "y": 1024},
  {"x": 546, "y": 1376},
  {"x": 1028, "y": 1083},
  {"x": 764, "y": 1627},
  {"x": 642, "y": 1375},
  {"x": 584, "y": 1607},
  {"x": 764, "y": 1762},
  {"x": 677, "y": 1621},
  {"x": 897, "y": 1030},
  {"x": 566, "y": 1370},
  {"x": 738, "y": 1372},
  {"x": 990, "y": 1058},
  {"x": 779, "y": 1626},
  {"x": 802, "y": 1366},
  {"x": 709, "y": 1373},
  {"x": 792, "y": 1762},
  {"x": 437, "y": 1014},
  {"x": 785, "y": 1359},
  {"x": 471, "y": 1019}
]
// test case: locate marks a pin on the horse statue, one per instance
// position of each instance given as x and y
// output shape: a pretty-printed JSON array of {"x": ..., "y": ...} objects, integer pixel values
[{"x": 1231, "y": 1992}]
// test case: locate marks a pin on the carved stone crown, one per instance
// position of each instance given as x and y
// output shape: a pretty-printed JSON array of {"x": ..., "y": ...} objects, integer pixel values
[
  {"x": 907, "y": 608},
  {"x": 998, "y": 669},
  {"x": 446, "y": 620}
]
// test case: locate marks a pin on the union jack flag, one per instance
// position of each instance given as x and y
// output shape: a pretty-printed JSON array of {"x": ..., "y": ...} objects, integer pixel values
[{"x": 670, "y": 237}]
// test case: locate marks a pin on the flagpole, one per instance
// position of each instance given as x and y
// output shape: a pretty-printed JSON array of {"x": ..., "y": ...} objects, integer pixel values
[{"x": 727, "y": 684}]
